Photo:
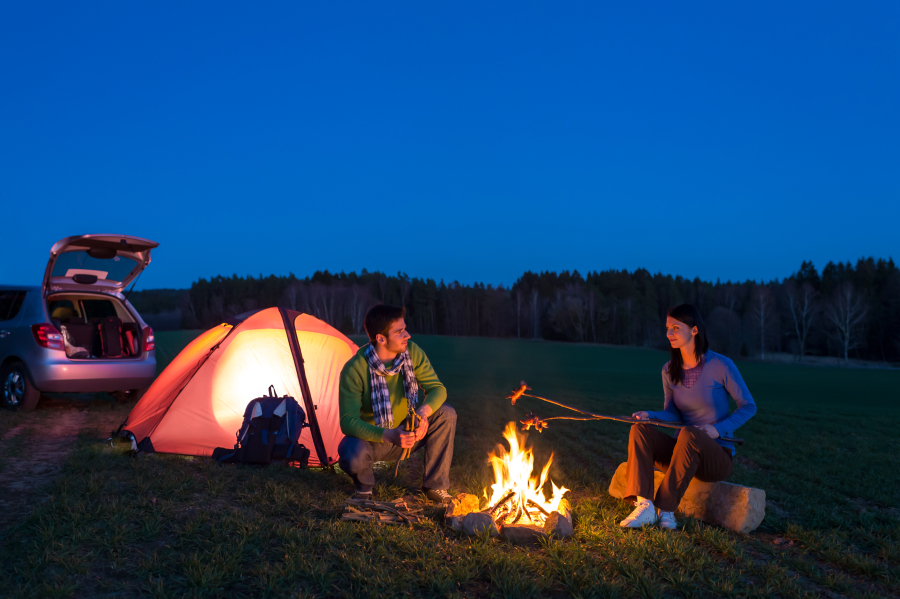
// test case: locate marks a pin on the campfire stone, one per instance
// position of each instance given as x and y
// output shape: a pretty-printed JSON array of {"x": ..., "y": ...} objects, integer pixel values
[
  {"x": 523, "y": 534},
  {"x": 730, "y": 506},
  {"x": 456, "y": 523},
  {"x": 476, "y": 522},
  {"x": 462, "y": 504},
  {"x": 559, "y": 525}
]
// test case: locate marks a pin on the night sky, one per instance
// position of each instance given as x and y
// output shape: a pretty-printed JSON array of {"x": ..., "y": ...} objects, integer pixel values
[{"x": 467, "y": 141}]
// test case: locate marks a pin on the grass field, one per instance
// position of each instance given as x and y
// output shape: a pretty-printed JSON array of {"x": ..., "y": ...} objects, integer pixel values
[{"x": 824, "y": 446}]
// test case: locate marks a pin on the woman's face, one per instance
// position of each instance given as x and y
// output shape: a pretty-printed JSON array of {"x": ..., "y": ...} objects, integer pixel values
[{"x": 678, "y": 333}]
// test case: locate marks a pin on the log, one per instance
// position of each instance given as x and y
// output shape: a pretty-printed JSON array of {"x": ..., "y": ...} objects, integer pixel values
[{"x": 728, "y": 505}]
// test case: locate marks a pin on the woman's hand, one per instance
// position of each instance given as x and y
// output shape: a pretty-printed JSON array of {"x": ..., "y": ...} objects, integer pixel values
[
  {"x": 641, "y": 415},
  {"x": 709, "y": 430}
]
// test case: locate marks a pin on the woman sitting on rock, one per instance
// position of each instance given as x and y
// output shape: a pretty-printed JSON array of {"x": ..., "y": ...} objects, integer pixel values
[{"x": 696, "y": 385}]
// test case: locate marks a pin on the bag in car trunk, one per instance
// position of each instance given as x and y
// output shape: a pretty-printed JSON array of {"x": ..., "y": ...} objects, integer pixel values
[{"x": 111, "y": 337}]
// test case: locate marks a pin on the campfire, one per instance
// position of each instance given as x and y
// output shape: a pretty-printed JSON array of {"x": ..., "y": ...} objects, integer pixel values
[{"x": 517, "y": 497}]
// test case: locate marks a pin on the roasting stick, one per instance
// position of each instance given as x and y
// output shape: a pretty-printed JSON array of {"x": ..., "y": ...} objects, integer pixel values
[{"x": 520, "y": 392}]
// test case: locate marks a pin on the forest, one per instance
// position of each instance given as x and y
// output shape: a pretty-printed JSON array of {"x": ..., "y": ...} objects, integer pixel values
[{"x": 847, "y": 311}]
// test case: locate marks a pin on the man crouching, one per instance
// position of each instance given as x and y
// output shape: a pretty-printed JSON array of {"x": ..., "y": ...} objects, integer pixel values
[{"x": 380, "y": 385}]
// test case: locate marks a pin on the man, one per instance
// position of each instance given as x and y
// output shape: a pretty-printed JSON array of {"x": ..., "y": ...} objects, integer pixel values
[{"x": 380, "y": 386}]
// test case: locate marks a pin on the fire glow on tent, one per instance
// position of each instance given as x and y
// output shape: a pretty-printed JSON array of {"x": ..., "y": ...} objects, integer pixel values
[{"x": 197, "y": 403}]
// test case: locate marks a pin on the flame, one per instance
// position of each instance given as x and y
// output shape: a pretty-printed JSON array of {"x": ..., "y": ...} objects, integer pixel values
[{"x": 512, "y": 474}]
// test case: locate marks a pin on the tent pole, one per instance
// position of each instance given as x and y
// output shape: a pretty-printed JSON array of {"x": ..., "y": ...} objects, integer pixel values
[{"x": 294, "y": 344}]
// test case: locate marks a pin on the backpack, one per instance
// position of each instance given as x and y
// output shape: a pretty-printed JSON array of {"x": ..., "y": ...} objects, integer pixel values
[{"x": 270, "y": 431}]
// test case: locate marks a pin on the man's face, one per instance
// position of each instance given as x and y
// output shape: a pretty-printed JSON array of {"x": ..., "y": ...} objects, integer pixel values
[{"x": 397, "y": 338}]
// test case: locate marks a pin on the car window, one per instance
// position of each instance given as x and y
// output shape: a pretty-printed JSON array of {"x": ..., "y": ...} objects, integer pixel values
[
  {"x": 99, "y": 308},
  {"x": 63, "y": 309},
  {"x": 10, "y": 303},
  {"x": 109, "y": 269}
]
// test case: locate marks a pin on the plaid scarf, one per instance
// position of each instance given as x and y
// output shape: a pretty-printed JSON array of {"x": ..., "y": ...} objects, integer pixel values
[{"x": 381, "y": 397}]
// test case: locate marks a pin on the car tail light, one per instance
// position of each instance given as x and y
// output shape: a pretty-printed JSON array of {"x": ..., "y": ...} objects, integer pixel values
[
  {"x": 47, "y": 336},
  {"x": 149, "y": 341}
]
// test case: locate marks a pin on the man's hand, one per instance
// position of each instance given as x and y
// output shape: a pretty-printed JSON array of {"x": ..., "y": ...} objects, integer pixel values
[
  {"x": 641, "y": 415},
  {"x": 424, "y": 412},
  {"x": 399, "y": 436},
  {"x": 709, "y": 430}
]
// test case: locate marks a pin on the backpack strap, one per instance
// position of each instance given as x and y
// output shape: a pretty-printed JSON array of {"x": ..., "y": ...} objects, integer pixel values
[{"x": 272, "y": 392}]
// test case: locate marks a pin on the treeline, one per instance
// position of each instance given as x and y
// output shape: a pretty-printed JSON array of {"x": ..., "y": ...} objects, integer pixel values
[{"x": 847, "y": 311}]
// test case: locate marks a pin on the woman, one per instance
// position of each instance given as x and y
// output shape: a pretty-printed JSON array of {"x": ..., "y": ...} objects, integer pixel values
[{"x": 696, "y": 384}]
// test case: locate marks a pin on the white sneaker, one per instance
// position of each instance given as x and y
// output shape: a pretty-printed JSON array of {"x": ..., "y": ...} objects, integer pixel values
[
  {"x": 644, "y": 513},
  {"x": 667, "y": 520}
]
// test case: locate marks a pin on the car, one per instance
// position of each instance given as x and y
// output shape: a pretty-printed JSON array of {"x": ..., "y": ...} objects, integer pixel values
[{"x": 77, "y": 332}]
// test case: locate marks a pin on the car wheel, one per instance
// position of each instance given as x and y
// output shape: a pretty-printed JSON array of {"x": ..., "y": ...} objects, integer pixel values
[
  {"x": 17, "y": 392},
  {"x": 128, "y": 395}
]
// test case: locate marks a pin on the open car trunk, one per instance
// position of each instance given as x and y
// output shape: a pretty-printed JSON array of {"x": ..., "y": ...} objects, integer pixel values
[
  {"x": 106, "y": 263},
  {"x": 95, "y": 326}
]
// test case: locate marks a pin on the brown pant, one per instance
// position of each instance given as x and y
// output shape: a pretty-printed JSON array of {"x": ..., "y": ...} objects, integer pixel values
[{"x": 692, "y": 454}]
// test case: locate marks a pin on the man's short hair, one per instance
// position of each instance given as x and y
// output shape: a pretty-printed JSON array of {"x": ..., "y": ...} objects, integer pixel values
[{"x": 379, "y": 319}]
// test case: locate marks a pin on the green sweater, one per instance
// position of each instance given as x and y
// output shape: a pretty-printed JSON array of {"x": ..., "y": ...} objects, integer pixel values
[{"x": 357, "y": 417}]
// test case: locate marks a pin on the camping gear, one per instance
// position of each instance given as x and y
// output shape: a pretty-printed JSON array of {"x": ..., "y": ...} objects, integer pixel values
[
  {"x": 111, "y": 336},
  {"x": 130, "y": 336},
  {"x": 198, "y": 402},
  {"x": 270, "y": 431},
  {"x": 540, "y": 424},
  {"x": 78, "y": 338}
]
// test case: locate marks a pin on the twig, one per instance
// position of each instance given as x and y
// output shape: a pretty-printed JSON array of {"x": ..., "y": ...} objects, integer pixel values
[
  {"x": 535, "y": 504},
  {"x": 500, "y": 503}
]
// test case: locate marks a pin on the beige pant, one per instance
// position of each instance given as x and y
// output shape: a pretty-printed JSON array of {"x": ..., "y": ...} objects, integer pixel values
[{"x": 692, "y": 454}]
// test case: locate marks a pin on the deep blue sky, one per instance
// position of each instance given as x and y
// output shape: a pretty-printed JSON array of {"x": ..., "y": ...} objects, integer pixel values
[{"x": 467, "y": 141}]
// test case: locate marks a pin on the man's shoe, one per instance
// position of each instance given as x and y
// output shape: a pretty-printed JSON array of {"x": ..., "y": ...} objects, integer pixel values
[
  {"x": 437, "y": 495},
  {"x": 667, "y": 520},
  {"x": 644, "y": 513},
  {"x": 363, "y": 496}
]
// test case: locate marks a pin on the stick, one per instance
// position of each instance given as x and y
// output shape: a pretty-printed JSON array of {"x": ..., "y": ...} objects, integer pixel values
[
  {"x": 520, "y": 392},
  {"x": 500, "y": 503},
  {"x": 542, "y": 510},
  {"x": 411, "y": 424}
]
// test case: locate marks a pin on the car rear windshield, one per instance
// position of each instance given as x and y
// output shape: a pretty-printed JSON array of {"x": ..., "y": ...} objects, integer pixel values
[{"x": 109, "y": 269}]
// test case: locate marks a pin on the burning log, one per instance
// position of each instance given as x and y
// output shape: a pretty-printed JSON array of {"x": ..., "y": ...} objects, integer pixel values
[
  {"x": 538, "y": 506},
  {"x": 518, "y": 497},
  {"x": 497, "y": 506}
]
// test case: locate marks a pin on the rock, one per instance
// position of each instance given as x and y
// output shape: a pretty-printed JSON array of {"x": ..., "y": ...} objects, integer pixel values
[
  {"x": 523, "y": 534},
  {"x": 730, "y": 506},
  {"x": 476, "y": 522},
  {"x": 559, "y": 525},
  {"x": 462, "y": 504},
  {"x": 456, "y": 523},
  {"x": 560, "y": 522}
]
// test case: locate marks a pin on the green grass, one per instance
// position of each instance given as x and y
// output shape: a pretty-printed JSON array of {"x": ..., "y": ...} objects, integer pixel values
[
  {"x": 169, "y": 343},
  {"x": 823, "y": 445}
]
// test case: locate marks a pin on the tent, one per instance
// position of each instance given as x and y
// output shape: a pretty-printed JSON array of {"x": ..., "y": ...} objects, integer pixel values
[{"x": 197, "y": 403}]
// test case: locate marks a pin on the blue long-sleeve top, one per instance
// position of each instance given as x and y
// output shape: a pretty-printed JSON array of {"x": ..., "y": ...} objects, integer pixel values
[{"x": 706, "y": 402}]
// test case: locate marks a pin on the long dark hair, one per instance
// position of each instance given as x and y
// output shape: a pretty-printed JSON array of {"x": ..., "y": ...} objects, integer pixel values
[{"x": 690, "y": 316}]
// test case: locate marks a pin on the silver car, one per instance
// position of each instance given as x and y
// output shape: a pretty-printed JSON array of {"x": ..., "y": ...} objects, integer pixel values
[{"x": 77, "y": 332}]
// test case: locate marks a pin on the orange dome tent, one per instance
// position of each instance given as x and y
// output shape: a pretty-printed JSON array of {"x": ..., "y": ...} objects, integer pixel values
[{"x": 197, "y": 403}]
